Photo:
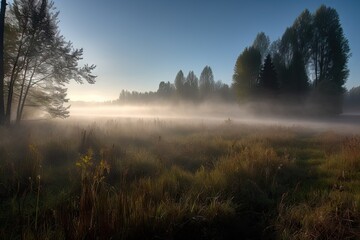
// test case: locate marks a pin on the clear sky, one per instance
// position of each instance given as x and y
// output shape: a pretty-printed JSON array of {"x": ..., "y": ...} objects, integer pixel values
[{"x": 136, "y": 44}]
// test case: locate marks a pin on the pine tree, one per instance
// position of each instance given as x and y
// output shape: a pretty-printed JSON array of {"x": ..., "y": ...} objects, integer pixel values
[{"x": 268, "y": 82}]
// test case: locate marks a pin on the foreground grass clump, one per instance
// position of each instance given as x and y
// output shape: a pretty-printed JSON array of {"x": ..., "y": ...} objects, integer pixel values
[{"x": 138, "y": 179}]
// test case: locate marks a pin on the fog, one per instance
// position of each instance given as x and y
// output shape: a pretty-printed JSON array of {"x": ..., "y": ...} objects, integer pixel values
[
  {"x": 178, "y": 111},
  {"x": 214, "y": 114}
]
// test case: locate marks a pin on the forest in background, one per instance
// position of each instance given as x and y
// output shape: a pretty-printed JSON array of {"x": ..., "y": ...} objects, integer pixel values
[
  {"x": 303, "y": 72},
  {"x": 107, "y": 177}
]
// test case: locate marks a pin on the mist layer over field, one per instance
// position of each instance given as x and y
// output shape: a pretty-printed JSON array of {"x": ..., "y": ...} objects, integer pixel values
[
  {"x": 195, "y": 175},
  {"x": 214, "y": 114}
]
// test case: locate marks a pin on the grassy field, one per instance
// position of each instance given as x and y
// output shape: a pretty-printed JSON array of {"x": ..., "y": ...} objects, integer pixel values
[{"x": 154, "y": 179}]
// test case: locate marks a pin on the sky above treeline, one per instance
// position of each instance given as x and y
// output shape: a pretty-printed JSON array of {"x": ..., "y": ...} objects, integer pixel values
[{"x": 136, "y": 44}]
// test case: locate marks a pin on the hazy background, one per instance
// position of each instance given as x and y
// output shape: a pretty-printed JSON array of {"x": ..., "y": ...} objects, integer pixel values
[
  {"x": 209, "y": 114},
  {"x": 137, "y": 44}
]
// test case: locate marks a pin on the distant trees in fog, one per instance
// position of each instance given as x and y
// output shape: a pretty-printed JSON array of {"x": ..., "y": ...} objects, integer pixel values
[
  {"x": 305, "y": 70},
  {"x": 191, "y": 89},
  {"x": 352, "y": 99},
  {"x": 268, "y": 84},
  {"x": 308, "y": 64},
  {"x": 191, "y": 86},
  {"x": 206, "y": 83},
  {"x": 179, "y": 84}
]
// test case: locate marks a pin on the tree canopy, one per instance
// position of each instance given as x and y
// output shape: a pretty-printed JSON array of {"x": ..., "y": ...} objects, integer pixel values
[
  {"x": 39, "y": 61},
  {"x": 189, "y": 89},
  {"x": 206, "y": 82},
  {"x": 268, "y": 81},
  {"x": 310, "y": 60},
  {"x": 262, "y": 44},
  {"x": 246, "y": 72},
  {"x": 191, "y": 86},
  {"x": 179, "y": 83}
]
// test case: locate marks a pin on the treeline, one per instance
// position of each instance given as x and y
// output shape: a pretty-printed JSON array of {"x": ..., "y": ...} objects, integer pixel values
[
  {"x": 189, "y": 88},
  {"x": 352, "y": 99},
  {"x": 306, "y": 67},
  {"x": 303, "y": 72}
]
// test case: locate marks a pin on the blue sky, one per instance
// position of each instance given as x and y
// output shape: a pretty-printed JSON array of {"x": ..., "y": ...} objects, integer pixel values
[{"x": 138, "y": 43}]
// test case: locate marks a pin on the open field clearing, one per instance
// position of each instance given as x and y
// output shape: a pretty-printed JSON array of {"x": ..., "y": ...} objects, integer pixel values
[
  {"x": 165, "y": 179},
  {"x": 170, "y": 120}
]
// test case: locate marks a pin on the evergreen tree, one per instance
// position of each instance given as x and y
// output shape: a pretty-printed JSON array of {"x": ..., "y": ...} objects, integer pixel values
[
  {"x": 299, "y": 80},
  {"x": 268, "y": 82}
]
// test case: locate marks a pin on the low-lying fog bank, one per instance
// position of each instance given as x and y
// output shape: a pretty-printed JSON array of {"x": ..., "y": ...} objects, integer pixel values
[{"x": 212, "y": 114}]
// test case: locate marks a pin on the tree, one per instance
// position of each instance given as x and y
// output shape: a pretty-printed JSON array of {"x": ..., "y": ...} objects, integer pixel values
[
  {"x": 299, "y": 83},
  {"x": 191, "y": 86},
  {"x": 291, "y": 55},
  {"x": 329, "y": 57},
  {"x": 2, "y": 69},
  {"x": 303, "y": 33},
  {"x": 287, "y": 46},
  {"x": 262, "y": 44},
  {"x": 331, "y": 50},
  {"x": 310, "y": 59},
  {"x": 223, "y": 92},
  {"x": 268, "y": 82},
  {"x": 314, "y": 48},
  {"x": 41, "y": 61},
  {"x": 165, "y": 89},
  {"x": 206, "y": 83},
  {"x": 179, "y": 83},
  {"x": 352, "y": 99},
  {"x": 246, "y": 72}
]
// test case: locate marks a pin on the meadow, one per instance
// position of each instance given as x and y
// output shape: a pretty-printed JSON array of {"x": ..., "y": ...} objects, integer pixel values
[{"x": 133, "y": 178}]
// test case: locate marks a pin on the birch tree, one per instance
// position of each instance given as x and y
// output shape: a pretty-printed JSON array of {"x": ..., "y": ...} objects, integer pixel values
[{"x": 41, "y": 61}]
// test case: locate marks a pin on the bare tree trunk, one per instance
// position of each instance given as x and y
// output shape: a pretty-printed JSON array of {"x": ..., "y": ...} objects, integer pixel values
[
  {"x": 2, "y": 73},
  {"x": 10, "y": 92},
  {"x": 17, "y": 68},
  {"x": 321, "y": 64},
  {"x": 22, "y": 104},
  {"x": 14, "y": 74},
  {"x": 21, "y": 94}
]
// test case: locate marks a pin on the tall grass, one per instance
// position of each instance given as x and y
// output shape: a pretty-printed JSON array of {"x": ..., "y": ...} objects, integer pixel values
[{"x": 151, "y": 179}]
